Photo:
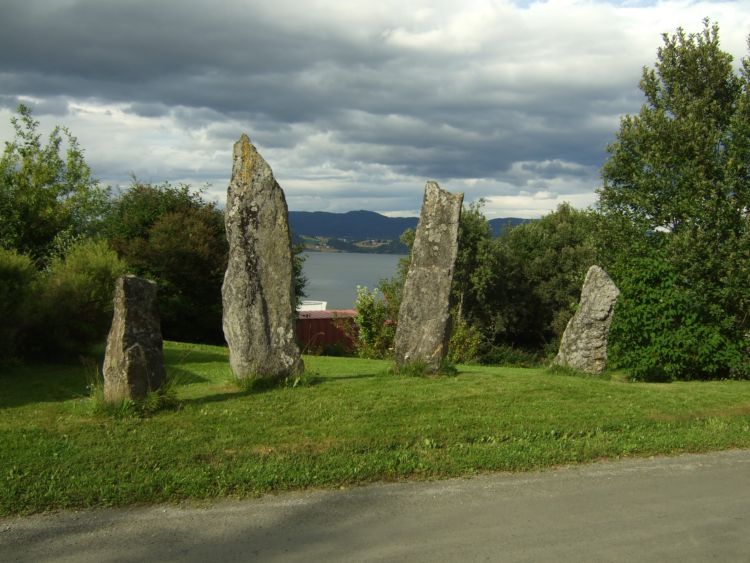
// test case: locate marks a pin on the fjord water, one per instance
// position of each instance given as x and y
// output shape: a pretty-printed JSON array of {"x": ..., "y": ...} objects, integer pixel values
[{"x": 334, "y": 276}]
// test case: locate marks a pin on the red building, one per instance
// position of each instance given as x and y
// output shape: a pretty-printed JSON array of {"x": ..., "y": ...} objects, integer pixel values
[{"x": 321, "y": 330}]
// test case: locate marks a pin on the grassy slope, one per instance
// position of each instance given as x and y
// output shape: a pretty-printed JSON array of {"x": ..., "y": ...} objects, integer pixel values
[{"x": 358, "y": 424}]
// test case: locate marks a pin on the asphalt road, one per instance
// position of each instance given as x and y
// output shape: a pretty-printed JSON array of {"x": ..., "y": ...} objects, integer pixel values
[{"x": 687, "y": 508}]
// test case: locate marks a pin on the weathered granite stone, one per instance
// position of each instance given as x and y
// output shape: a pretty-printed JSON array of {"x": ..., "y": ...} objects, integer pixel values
[
  {"x": 584, "y": 342},
  {"x": 133, "y": 361},
  {"x": 258, "y": 290},
  {"x": 424, "y": 325}
]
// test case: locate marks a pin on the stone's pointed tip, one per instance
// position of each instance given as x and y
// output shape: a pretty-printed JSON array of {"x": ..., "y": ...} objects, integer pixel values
[
  {"x": 245, "y": 145},
  {"x": 433, "y": 186},
  {"x": 246, "y": 158},
  {"x": 245, "y": 149}
]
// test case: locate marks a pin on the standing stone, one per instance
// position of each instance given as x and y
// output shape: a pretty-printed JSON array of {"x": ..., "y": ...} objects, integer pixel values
[
  {"x": 258, "y": 290},
  {"x": 424, "y": 326},
  {"x": 133, "y": 361},
  {"x": 584, "y": 343}
]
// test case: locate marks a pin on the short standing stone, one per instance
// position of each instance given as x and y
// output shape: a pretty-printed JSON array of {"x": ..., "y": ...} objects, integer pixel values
[
  {"x": 584, "y": 343},
  {"x": 424, "y": 324},
  {"x": 133, "y": 361},
  {"x": 258, "y": 290}
]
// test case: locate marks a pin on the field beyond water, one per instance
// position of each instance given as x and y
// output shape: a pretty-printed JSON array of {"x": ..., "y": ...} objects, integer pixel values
[{"x": 354, "y": 424}]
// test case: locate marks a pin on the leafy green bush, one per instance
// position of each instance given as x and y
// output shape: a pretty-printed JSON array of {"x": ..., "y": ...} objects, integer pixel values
[
  {"x": 546, "y": 263},
  {"x": 466, "y": 341},
  {"x": 664, "y": 330},
  {"x": 17, "y": 276},
  {"x": 73, "y": 302},
  {"x": 375, "y": 327}
]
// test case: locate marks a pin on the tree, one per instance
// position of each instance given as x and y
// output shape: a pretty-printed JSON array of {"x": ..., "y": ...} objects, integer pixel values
[
  {"x": 170, "y": 234},
  {"x": 298, "y": 273},
  {"x": 17, "y": 278},
  {"x": 377, "y": 310},
  {"x": 526, "y": 283},
  {"x": 677, "y": 183},
  {"x": 72, "y": 301},
  {"x": 376, "y": 328},
  {"x": 550, "y": 258},
  {"x": 48, "y": 196},
  {"x": 474, "y": 241}
]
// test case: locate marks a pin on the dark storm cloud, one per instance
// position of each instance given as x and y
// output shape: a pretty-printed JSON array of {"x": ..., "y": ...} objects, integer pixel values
[
  {"x": 149, "y": 109},
  {"x": 191, "y": 53},
  {"x": 145, "y": 40}
]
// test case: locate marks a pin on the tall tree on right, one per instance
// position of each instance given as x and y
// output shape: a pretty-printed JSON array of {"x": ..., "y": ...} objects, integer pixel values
[{"x": 675, "y": 201}]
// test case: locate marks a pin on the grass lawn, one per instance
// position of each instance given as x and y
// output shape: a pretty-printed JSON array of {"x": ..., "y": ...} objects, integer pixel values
[{"x": 356, "y": 424}]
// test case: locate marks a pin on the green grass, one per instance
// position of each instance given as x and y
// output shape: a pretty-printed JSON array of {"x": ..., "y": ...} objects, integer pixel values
[{"x": 351, "y": 423}]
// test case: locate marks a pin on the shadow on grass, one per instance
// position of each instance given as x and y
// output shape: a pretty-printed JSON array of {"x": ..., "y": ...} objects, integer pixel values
[
  {"x": 333, "y": 378},
  {"x": 257, "y": 387},
  {"x": 184, "y": 376},
  {"x": 28, "y": 383},
  {"x": 218, "y": 398},
  {"x": 291, "y": 382},
  {"x": 41, "y": 383},
  {"x": 260, "y": 387},
  {"x": 566, "y": 371},
  {"x": 173, "y": 356}
]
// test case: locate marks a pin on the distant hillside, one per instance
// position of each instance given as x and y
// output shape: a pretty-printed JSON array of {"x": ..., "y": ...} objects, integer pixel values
[
  {"x": 353, "y": 225},
  {"x": 366, "y": 225},
  {"x": 501, "y": 223}
]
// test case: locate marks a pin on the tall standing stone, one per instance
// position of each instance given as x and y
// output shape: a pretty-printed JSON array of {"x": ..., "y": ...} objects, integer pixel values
[
  {"x": 133, "y": 361},
  {"x": 584, "y": 342},
  {"x": 424, "y": 324},
  {"x": 258, "y": 289}
]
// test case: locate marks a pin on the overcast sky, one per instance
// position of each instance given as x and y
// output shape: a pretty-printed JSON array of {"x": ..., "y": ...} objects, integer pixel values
[{"x": 355, "y": 105}]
